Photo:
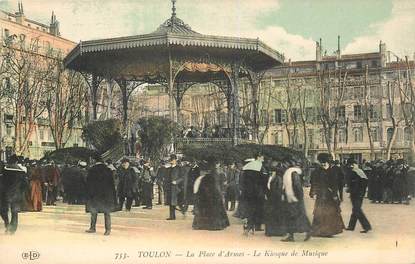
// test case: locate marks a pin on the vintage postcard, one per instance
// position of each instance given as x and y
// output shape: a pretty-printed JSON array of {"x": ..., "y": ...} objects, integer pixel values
[{"x": 207, "y": 131}]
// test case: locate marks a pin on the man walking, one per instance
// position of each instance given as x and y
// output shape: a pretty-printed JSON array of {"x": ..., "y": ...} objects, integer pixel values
[
  {"x": 13, "y": 184},
  {"x": 127, "y": 184},
  {"x": 101, "y": 195},
  {"x": 147, "y": 179},
  {"x": 357, "y": 188},
  {"x": 173, "y": 183}
]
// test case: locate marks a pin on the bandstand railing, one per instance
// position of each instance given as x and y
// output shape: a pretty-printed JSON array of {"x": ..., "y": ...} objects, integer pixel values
[{"x": 205, "y": 142}]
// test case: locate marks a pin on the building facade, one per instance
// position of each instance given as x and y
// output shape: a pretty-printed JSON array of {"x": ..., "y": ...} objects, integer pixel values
[
  {"x": 43, "y": 40},
  {"x": 290, "y": 103}
]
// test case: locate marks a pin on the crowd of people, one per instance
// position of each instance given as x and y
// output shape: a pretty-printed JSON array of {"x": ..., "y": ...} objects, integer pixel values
[{"x": 267, "y": 194}]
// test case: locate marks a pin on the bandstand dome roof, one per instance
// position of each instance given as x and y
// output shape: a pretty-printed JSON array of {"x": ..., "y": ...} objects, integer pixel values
[{"x": 145, "y": 56}]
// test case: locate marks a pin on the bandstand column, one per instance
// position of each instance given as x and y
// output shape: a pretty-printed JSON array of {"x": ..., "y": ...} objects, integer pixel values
[
  {"x": 234, "y": 102},
  {"x": 94, "y": 91}
]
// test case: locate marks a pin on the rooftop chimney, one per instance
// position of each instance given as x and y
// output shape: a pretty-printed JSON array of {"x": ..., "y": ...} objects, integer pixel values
[
  {"x": 338, "y": 47},
  {"x": 20, "y": 18}
]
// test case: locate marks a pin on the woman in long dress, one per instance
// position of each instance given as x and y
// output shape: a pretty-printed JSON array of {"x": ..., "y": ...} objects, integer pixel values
[
  {"x": 327, "y": 220},
  {"x": 294, "y": 212},
  {"x": 209, "y": 210},
  {"x": 274, "y": 205},
  {"x": 36, "y": 189}
]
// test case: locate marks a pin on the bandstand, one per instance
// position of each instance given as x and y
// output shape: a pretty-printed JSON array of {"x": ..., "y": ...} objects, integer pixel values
[{"x": 176, "y": 57}]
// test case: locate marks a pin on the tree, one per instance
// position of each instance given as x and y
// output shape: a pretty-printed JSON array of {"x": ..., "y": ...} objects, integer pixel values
[
  {"x": 331, "y": 87},
  {"x": 368, "y": 111},
  {"x": 407, "y": 102},
  {"x": 26, "y": 72},
  {"x": 102, "y": 135},
  {"x": 306, "y": 102},
  {"x": 64, "y": 102},
  {"x": 155, "y": 134},
  {"x": 287, "y": 100}
]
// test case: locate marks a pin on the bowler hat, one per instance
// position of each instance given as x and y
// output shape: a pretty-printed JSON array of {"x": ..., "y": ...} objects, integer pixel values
[
  {"x": 324, "y": 157},
  {"x": 124, "y": 160},
  {"x": 351, "y": 161}
]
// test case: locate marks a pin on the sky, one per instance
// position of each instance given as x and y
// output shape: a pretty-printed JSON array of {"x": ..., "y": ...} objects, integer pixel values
[{"x": 290, "y": 26}]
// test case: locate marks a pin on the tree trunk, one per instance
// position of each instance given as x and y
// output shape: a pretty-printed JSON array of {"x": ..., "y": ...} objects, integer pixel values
[{"x": 392, "y": 140}]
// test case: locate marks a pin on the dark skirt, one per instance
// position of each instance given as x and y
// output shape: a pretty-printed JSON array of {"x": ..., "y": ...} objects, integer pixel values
[
  {"x": 296, "y": 217},
  {"x": 327, "y": 219},
  {"x": 274, "y": 218},
  {"x": 210, "y": 213}
]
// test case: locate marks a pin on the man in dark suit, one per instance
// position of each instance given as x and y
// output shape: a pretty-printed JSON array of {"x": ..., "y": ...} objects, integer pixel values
[
  {"x": 127, "y": 185},
  {"x": 338, "y": 174},
  {"x": 101, "y": 195},
  {"x": 14, "y": 183},
  {"x": 174, "y": 181},
  {"x": 357, "y": 188}
]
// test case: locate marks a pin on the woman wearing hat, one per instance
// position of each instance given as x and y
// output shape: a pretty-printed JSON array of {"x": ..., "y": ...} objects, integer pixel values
[
  {"x": 210, "y": 213},
  {"x": 327, "y": 219}
]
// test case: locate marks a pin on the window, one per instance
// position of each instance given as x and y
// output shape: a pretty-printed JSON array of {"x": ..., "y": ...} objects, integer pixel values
[
  {"x": 374, "y": 133},
  {"x": 280, "y": 116},
  {"x": 358, "y": 134},
  {"x": 389, "y": 133},
  {"x": 9, "y": 130},
  {"x": 357, "y": 112},
  {"x": 359, "y": 65},
  {"x": 264, "y": 117},
  {"x": 41, "y": 134},
  {"x": 374, "y": 91},
  {"x": 399, "y": 135},
  {"x": 374, "y": 63},
  {"x": 296, "y": 115},
  {"x": 407, "y": 134},
  {"x": 278, "y": 138},
  {"x": 341, "y": 112},
  {"x": 373, "y": 112},
  {"x": 322, "y": 136},
  {"x": 342, "y": 135},
  {"x": 389, "y": 110},
  {"x": 357, "y": 92},
  {"x": 310, "y": 135},
  {"x": 50, "y": 136},
  {"x": 310, "y": 114}
]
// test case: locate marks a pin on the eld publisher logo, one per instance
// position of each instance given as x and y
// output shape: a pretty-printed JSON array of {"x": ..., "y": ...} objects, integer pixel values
[{"x": 31, "y": 255}]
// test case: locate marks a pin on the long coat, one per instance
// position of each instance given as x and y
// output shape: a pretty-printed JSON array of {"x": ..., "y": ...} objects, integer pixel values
[
  {"x": 100, "y": 190},
  {"x": 232, "y": 179},
  {"x": 327, "y": 219},
  {"x": 36, "y": 190},
  {"x": 173, "y": 190},
  {"x": 210, "y": 213},
  {"x": 73, "y": 180},
  {"x": 294, "y": 213},
  {"x": 274, "y": 206},
  {"x": 128, "y": 182},
  {"x": 193, "y": 174},
  {"x": 14, "y": 183}
]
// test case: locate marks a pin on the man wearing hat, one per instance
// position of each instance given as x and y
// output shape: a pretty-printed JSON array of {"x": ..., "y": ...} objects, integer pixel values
[
  {"x": 174, "y": 181},
  {"x": 147, "y": 176},
  {"x": 127, "y": 185},
  {"x": 13, "y": 183},
  {"x": 101, "y": 195},
  {"x": 357, "y": 189}
]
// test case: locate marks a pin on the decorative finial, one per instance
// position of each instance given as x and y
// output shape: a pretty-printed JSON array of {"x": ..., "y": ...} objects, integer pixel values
[{"x": 173, "y": 8}]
